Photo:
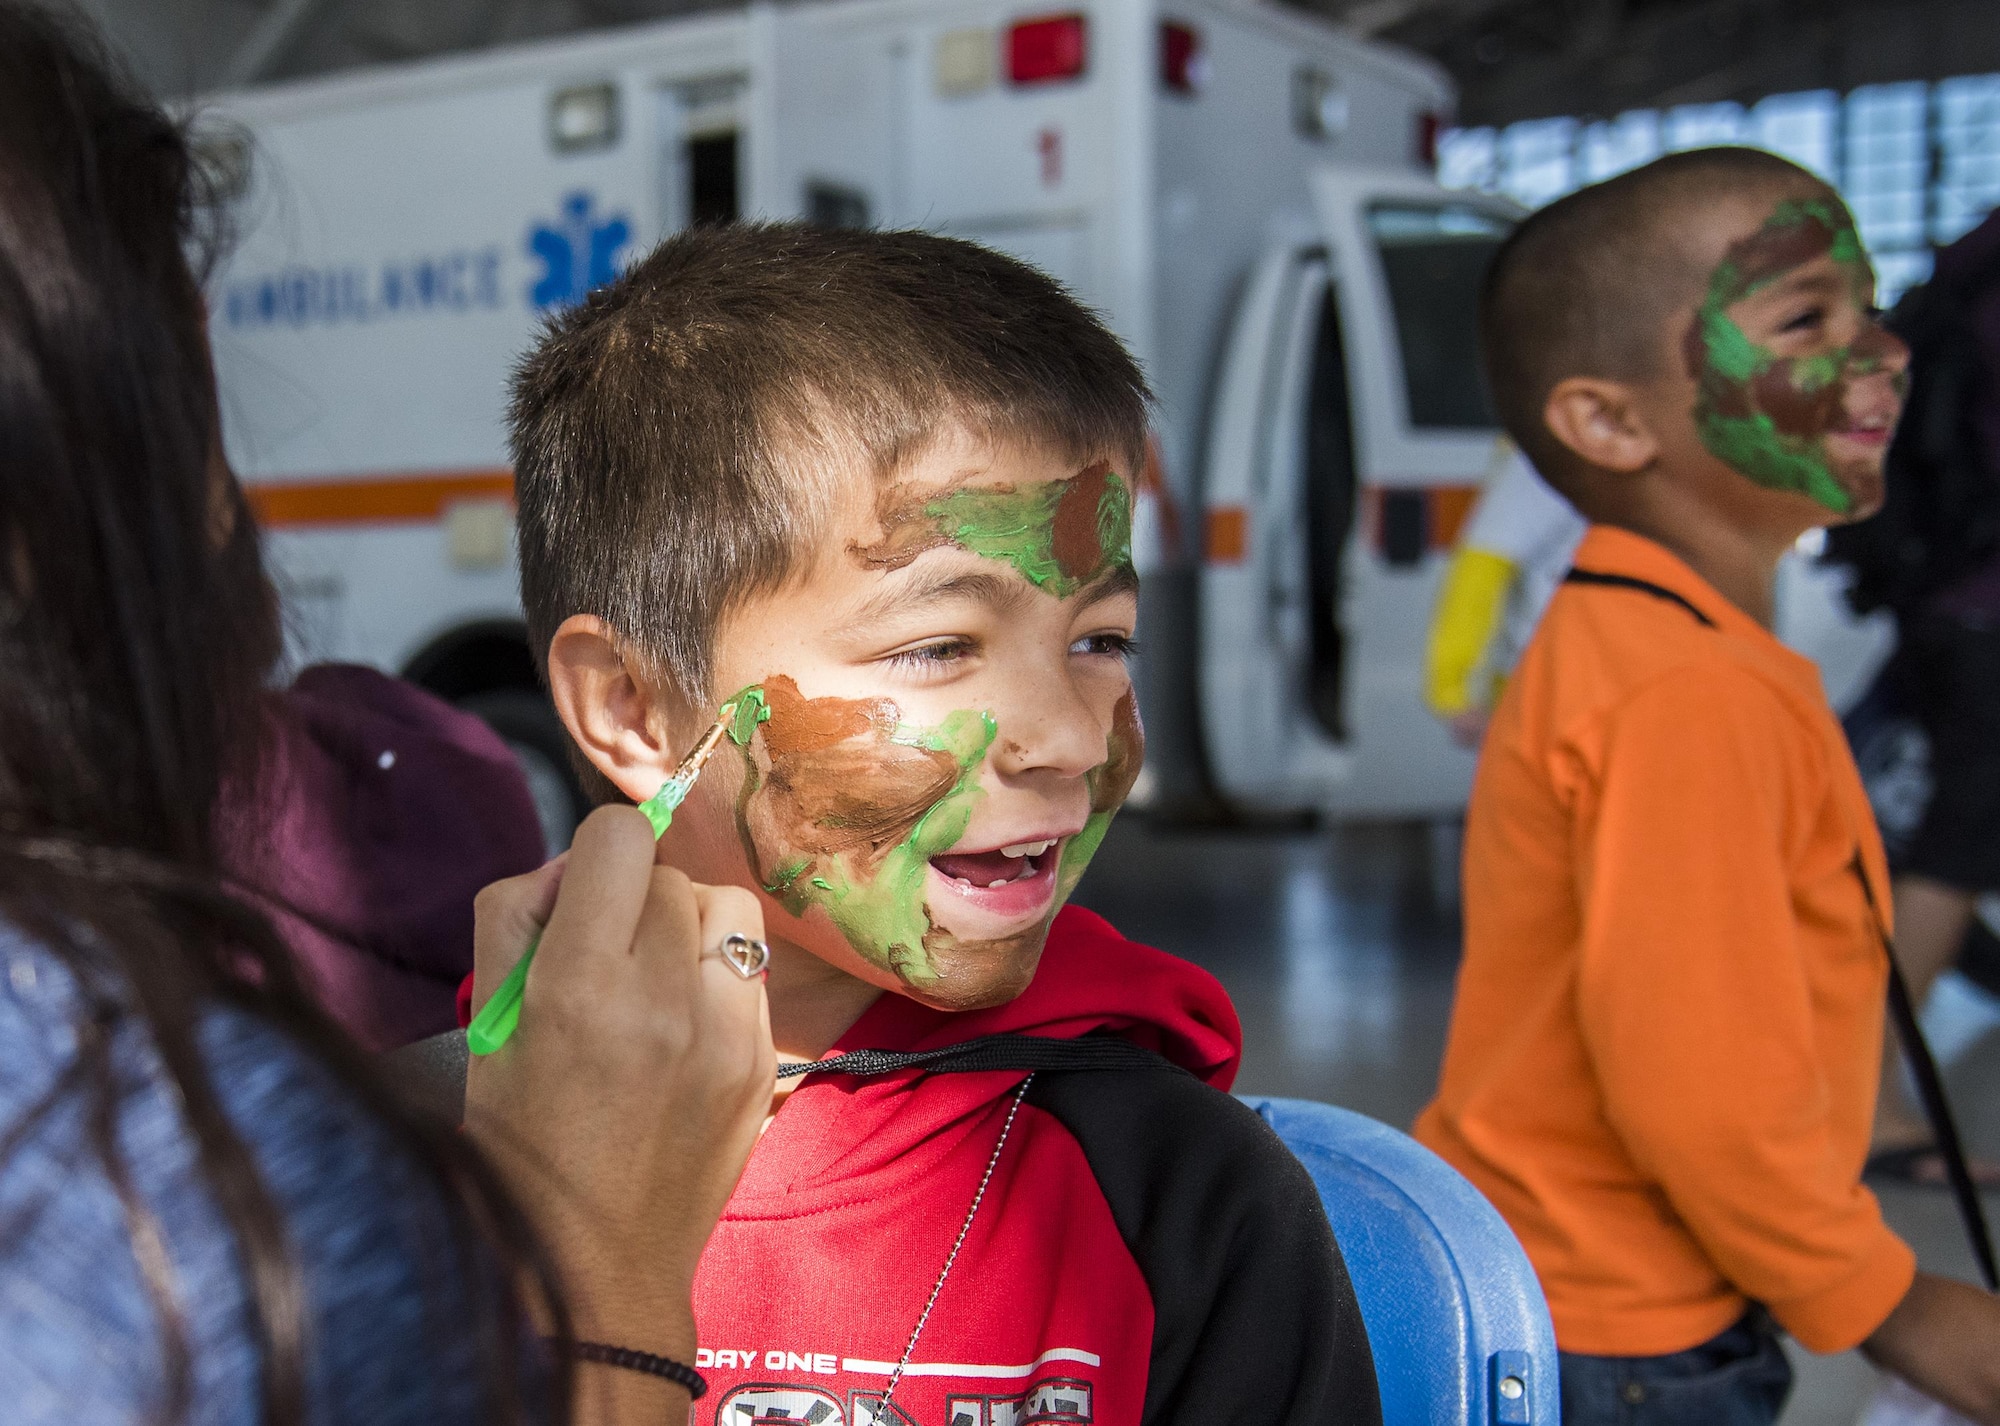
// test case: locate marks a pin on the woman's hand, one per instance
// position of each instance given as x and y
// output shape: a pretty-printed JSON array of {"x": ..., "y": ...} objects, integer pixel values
[{"x": 624, "y": 1107}]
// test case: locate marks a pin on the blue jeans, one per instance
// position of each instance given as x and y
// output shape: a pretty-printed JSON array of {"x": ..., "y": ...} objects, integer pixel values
[{"x": 1740, "y": 1378}]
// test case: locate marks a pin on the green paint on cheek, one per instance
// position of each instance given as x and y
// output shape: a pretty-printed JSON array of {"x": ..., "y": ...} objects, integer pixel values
[
  {"x": 1078, "y": 851},
  {"x": 1731, "y": 353},
  {"x": 1753, "y": 446},
  {"x": 749, "y": 708}
]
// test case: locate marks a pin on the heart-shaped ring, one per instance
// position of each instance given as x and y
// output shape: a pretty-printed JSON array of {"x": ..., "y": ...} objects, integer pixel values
[{"x": 745, "y": 955}]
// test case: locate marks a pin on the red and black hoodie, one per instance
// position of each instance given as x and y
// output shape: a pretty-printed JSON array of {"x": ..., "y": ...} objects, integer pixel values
[{"x": 1145, "y": 1250}]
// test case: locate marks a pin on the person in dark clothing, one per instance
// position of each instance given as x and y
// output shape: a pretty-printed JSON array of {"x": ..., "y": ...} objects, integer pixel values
[
  {"x": 213, "y": 1208},
  {"x": 1932, "y": 557},
  {"x": 378, "y": 813},
  {"x": 872, "y": 491}
]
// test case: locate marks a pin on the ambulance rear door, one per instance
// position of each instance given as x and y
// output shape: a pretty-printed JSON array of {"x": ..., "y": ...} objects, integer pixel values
[{"x": 1348, "y": 437}]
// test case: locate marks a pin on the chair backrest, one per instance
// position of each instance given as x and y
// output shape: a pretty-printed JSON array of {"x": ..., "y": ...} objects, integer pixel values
[{"x": 1456, "y": 1320}]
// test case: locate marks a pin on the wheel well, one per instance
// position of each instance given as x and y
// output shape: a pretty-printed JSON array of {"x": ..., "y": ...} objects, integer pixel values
[{"x": 476, "y": 658}]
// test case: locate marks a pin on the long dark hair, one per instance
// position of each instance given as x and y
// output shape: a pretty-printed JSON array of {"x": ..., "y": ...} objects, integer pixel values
[{"x": 136, "y": 629}]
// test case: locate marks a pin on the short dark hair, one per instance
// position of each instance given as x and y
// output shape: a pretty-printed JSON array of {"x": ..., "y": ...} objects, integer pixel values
[
  {"x": 1584, "y": 286},
  {"x": 672, "y": 435}
]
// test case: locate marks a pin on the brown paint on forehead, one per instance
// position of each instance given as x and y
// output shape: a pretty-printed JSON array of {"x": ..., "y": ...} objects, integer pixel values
[
  {"x": 1772, "y": 251},
  {"x": 1074, "y": 538},
  {"x": 834, "y": 779},
  {"x": 907, "y": 530},
  {"x": 1113, "y": 781}
]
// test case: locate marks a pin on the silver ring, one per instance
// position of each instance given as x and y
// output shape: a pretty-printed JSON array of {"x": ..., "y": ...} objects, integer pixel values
[{"x": 745, "y": 955}]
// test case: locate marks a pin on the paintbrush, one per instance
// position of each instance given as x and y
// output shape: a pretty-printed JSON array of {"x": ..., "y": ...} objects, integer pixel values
[{"x": 494, "y": 1024}]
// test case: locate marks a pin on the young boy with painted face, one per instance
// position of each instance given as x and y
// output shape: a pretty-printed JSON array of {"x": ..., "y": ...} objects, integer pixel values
[
  {"x": 874, "y": 490},
  {"x": 1661, "y": 1065}
]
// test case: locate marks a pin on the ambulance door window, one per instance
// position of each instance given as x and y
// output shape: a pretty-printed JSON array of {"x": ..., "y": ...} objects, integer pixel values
[
  {"x": 1433, "y": 261},
  {"x": 1328, "y": 449},
  {"x": 702, "y": 159},
  {"x": 713, "y": 185}
]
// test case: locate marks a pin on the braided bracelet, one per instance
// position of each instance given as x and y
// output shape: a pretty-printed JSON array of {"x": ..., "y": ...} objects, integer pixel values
[{"x": 633, "y": 1360}]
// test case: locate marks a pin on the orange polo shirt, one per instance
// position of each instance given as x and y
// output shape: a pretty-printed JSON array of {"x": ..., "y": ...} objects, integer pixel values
[{"x": 1663, "y": 1053}]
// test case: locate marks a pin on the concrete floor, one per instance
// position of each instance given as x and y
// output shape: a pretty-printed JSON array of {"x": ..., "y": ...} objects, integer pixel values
[{"x": 1340, "y": 956}]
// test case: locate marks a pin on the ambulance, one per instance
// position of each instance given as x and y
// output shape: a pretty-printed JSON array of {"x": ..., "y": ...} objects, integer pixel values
[{"x": 1241, "y": 189}]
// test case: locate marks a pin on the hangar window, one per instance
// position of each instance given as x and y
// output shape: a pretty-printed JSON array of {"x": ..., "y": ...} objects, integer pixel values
[{"x": 1918, "y": 163}]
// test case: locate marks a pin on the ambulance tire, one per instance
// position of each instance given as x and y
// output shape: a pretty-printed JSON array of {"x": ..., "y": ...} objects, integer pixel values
[{"x": 527, "y": 722}]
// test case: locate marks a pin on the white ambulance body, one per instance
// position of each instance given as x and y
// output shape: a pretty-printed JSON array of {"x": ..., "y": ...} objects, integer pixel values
[{"x": 1241, "y": 190}]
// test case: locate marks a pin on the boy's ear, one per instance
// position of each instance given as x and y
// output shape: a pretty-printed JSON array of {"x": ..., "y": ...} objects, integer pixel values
[
  {"x": 610, "y": 711},
  {"x": 1601, "y": 421}
]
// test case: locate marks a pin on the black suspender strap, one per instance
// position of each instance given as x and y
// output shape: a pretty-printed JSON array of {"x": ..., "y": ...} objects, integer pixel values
[
  {"x": 993, "y": 1052},
  {"x": 1643, "y": 586},
  {"x": 1930, "y": 1090}
]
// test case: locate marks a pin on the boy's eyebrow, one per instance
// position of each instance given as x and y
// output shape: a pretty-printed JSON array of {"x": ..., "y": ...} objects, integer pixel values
[
  {"x": 1119, "y": 579},
  {"x": 1796, "y": 281},
  {"x": 940, "y": 585},
  {"x": 982, "y": 586}
]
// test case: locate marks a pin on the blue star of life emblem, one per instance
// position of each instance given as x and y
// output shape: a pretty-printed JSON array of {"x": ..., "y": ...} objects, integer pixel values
[{"x": 580, "y": 251}]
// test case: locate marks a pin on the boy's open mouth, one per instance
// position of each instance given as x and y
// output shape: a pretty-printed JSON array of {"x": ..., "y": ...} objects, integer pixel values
[
  {"x": 1007, "y": 882},
  {"x": 1866, "y": 432},
  {"x": 1001, "y": 867}
]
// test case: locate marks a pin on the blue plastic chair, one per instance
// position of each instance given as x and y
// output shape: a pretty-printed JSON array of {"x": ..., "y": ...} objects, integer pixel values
[{"x": 1455, "y": 1317}]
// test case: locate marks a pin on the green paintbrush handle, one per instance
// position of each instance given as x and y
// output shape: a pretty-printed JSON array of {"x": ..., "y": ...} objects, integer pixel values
[{"x": 495, "y": 1022}]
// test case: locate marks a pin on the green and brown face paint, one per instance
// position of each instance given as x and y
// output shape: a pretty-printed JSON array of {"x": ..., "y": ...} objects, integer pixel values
[
  {"x": 844, "y": 804},
  {"x": 1110, "y": 784},
  {"x": 1768, "y": 416},
  {"x": 1061, "y": 535}
]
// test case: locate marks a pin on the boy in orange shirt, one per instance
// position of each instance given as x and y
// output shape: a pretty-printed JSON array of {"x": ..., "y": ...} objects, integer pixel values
[{"x": 1662, "y": 1057}]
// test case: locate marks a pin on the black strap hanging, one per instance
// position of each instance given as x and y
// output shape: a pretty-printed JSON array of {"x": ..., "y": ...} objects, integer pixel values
[
  {"x": 1931, "y": 1093},
  {"x": 993, "y": 1052}
]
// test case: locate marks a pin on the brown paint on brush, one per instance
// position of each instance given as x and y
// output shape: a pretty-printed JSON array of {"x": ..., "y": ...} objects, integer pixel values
[
  {"x": 1074, "y": 538},
  {"x": 833, "y": 780}
]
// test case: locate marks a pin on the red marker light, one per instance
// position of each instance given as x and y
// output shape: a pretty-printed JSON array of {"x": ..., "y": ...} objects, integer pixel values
[
  {"x": 1049, "y": 48},
  {"x": 1183, "y": 67},
  {"x": 1430, "y": 124}
]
